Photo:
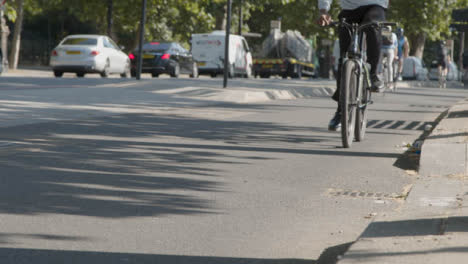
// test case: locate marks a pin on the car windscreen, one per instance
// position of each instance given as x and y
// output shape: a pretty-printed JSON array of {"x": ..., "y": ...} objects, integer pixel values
[
  {"x": 156, "y": 47},
  {"x": 80, "y": 41}
]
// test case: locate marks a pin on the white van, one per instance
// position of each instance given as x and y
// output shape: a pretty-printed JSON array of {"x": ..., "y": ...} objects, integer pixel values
[{"x": 208, "y": 51}]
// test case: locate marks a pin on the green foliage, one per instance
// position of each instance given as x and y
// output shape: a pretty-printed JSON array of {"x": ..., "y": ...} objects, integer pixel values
[
  {"x": 178, "y": 19},
  {"x": 430, "y": 18}
]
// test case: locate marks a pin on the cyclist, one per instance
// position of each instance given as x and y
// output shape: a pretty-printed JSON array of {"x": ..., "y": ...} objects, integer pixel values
[
  {"x": 390, "y": 51},
  {"x": 442, "y": 62},
  {"x": 356, "y": 11},
  {"x": 403, "y": 50}
]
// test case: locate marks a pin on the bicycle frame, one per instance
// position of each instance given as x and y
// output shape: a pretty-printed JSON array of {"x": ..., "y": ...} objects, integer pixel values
[{"x": 355, "y": 53}]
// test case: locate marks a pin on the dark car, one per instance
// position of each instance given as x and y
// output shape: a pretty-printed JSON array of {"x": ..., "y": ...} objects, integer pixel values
[{"x": 164, "y": 57}]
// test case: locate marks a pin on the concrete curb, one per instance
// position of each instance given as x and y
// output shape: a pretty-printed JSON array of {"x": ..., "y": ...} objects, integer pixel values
[
  {"x": 247, "y": 95},
  {"x": 431, "y": 227},
  {"x": 432, "y": 84},
  {"x": 445, "y": 150},
  {"x": 432, "y": 224}
]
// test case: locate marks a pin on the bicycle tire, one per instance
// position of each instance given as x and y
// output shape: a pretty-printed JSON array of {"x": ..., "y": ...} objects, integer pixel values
[
  {"x": 349, "y": 84},
  {"x": 395, "y": 75},
  {"x": 361, "y": 111}
]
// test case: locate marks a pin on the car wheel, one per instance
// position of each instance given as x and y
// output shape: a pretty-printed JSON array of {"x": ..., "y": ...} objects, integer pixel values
[
  {"x": 248, "y": 71},
  {"x": 175, "y": 71},
  {"x": 231, "y": 72},
  {"x": 127, "y": 71},
  {"x": 155, "y": 75},
  {"x": 213, "y": 75},
  {"x": 80, "y": 74},
  {"x": 194, "y": 71},
  {"x": 58, "y": 74},
  {"x": 133, "y": 73},
  {"x": 105, "y": 72}
]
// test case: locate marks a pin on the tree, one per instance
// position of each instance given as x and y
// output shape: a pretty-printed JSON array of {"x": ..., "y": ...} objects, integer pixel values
[
  {"x": 424, "y": 19},
  {"x": 16, "y": 42}
]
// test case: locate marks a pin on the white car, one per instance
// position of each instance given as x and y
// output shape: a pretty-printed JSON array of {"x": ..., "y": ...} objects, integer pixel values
[
  {"x": 83, "y": 54},
  {"x": 413, "y": 69}
]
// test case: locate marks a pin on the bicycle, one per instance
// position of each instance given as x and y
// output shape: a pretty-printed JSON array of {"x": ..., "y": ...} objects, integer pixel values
[
  {"x": 442, "y": 77},
  {"x": 395, "y": 74},
  {"x": 389, "y": 81},
  {"x": 355, "y": 94}
]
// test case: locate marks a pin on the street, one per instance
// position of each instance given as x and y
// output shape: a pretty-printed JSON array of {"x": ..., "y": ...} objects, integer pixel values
[{"x": 176, "y": 171}]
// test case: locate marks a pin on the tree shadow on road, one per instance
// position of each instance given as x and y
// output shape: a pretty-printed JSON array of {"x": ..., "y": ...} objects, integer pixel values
[
  {"x": 38, "y": 256},
  {"x": 126, "y": 166}
]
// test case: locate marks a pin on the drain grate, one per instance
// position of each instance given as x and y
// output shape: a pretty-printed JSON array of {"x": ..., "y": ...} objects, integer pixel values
[{"x": 362, "y": 194}]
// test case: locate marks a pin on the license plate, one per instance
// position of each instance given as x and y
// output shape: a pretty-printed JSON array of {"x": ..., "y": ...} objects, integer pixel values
[
  {"x": 148, "y": 56},
  {"x": 201, "y": 63},
  {"x": 267, "y": 66},
  {"x": 73, "y": 52}
]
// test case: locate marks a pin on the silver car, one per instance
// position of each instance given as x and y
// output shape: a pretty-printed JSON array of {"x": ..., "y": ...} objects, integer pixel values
[
  {"x": 83, "y": 54},
  {"x": 413, "y": 69}
]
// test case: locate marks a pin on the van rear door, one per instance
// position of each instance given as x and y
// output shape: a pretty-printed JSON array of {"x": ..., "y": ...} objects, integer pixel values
[{"x": 208, "y": 50}]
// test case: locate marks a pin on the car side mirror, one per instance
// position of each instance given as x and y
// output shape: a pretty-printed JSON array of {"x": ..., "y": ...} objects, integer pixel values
[{"x": 122, "y": 47}]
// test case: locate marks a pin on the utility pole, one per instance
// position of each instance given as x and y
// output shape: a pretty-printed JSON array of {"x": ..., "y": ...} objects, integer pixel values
[
  {"x": 461, "y": 51},
  {"x": 142, "y": 38},
  {"x": 226, "y": 47}
]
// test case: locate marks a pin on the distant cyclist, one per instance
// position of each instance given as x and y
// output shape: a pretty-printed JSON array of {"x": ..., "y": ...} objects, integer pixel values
[
  {"x": 356, "y": 11},
  {"x": 390, "y": 51},
  {"x": 442, "y": 62},
  {"x": 403, "y": 50}
]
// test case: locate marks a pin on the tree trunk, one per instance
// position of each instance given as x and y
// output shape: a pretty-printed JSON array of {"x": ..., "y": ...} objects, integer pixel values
[
  {"x": 5, "y": 31},
  {"x": 110, "y": 20},
  {"x": 16, "y": 43},
  {"x": 417, "y": 44},
  {"x": 221, "y": 19}
]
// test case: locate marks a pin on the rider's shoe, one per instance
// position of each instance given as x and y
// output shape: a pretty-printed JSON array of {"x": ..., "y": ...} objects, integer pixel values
[
  {"x": 335, "y": 122},
  {"x": 377, "y": 84}
]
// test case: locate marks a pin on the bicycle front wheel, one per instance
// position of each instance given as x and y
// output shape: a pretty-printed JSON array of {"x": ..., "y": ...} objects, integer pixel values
[
  {"x": 361, "y": 111},
  {"x": 348, "y": 102}
]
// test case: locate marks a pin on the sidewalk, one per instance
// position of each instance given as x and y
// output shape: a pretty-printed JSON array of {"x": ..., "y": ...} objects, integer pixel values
[{"x": 432, "y": 224}]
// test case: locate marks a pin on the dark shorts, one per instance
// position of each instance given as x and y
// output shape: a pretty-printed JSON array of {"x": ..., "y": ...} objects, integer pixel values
[{"x": 442, "y": 63}]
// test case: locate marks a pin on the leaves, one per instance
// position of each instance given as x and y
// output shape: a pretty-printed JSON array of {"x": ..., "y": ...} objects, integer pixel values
[{"x": 178, "y": 19}]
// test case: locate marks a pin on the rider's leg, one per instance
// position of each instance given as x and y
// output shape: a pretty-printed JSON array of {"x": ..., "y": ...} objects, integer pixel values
[
  {"x": 390, "y": 57},
  {"x": 380, "y": 66},
  {"x": 345, "y": 40},
  {"x": 400, "y": 68},
  {"x": 374, "y": 42},
  {"x": 440, "y": 70}
]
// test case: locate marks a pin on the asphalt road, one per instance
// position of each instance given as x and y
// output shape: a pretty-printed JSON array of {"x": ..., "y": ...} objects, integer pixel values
[{"x": 114, "y": 171}]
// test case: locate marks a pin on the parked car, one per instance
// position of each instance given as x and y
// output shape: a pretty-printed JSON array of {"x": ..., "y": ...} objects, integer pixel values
[
  {"x": 413, "y": 69},
  {"x": 83, "y": 54},
  {"x": 452, "y": 72},
  {"x": 208, "y": 51},
  {"x": 164, "y": 57}
]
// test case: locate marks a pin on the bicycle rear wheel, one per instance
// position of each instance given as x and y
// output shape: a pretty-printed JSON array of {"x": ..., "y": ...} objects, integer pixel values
[
  {"x": 361, "y": 111},
  {"x": 349, "y": 85},
  {"x": 395, "y": 75}
]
